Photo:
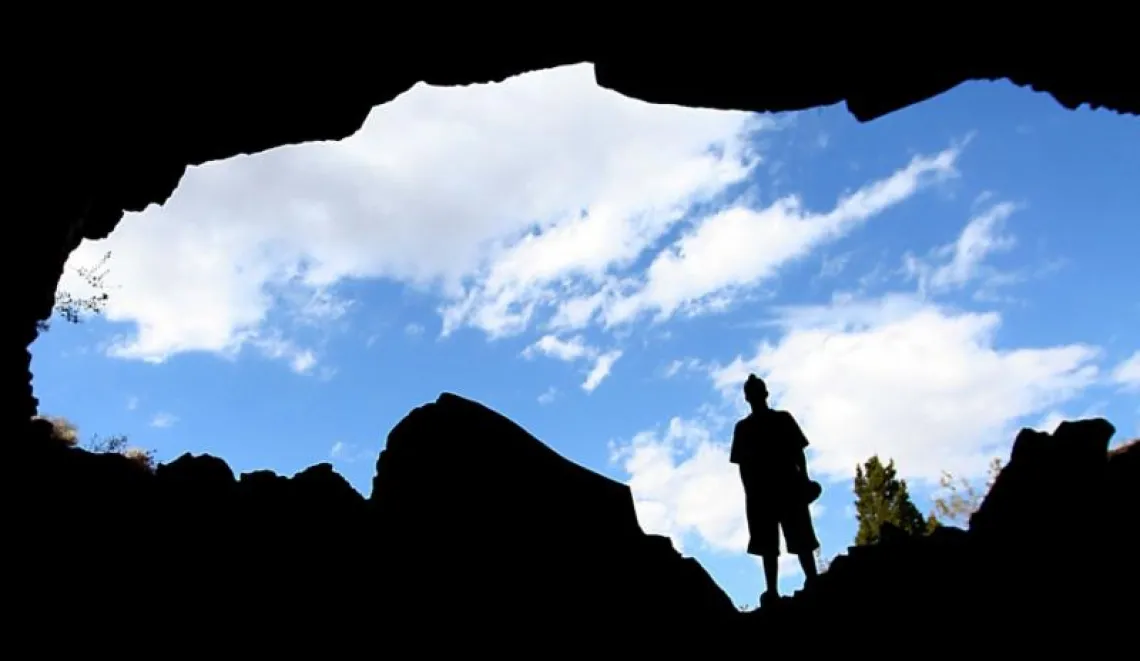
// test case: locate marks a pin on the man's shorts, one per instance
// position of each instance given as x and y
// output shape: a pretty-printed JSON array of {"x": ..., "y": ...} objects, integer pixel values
[{"x": 765, "y": 520}]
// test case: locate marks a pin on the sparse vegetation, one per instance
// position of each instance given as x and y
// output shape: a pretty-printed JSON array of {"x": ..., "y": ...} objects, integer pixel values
[
  {"x": 144, "y": 458},
  {"x": 961, "y": 498},
  {"x": 881, "y": 497},
  {"x": 66, "y": 432},
  {"x": 72, "y": 307},
  {"x": 62, "y": 429}
]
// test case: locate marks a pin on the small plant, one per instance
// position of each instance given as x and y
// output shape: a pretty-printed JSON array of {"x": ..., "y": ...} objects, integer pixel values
[
  {"x": 116, "y": 443},
  {"x": 62, "y": 429},
  {"x": 144, "y": 458},
  {"x": 65, "y": 431},
  {"x": 72, "y": 307},
  {"x": 961, "y": 498}
]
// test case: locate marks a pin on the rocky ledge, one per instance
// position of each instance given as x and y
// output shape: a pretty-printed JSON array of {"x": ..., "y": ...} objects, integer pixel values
[{"x": 478, "y": 536}]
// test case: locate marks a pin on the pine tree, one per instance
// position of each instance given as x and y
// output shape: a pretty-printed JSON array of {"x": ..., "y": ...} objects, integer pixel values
[{"x": 880, "y": 498}]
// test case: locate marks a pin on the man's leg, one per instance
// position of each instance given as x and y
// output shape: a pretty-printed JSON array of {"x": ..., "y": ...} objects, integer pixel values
[
  {"x": 764, "y": 540},
  {"x": 807, "y": 561},
  {"x": 771, "y": 573},
  {"x": 799, "y": 533}
]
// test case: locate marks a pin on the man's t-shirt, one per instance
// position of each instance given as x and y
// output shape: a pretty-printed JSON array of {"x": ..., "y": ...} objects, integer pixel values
[{"x": 766, "y": 445}]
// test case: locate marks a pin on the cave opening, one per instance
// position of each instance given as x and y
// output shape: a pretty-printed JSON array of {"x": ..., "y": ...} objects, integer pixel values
[{"x": 605, "y": 272}]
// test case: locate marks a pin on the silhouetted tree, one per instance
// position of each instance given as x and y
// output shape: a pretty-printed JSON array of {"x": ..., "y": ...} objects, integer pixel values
[
  {"x": 961, "y": 498},
  {"x": 72, "y": 307},
  {"x": 65, "y": 431},
  {"x": 881, "y": 498}
]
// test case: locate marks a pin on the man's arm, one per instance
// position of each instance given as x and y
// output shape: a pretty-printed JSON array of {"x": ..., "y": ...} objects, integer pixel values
[
  {"x": 799, "y": 441},
  {"x": 736, "y": 451}
]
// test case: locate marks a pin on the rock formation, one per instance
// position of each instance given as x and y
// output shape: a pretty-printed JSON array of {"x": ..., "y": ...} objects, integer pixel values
[
  {"x": 1044, "y": 562},
  {"x": 472, "y": 522},
  {"x": 477, "y": 536}
]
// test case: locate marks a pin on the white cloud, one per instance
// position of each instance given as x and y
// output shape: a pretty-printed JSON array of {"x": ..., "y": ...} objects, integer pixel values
[
  {"x": 315, "y": 307},
  {"x": 559, "y": 349},
  {"x": 740, "y": 247},
  {"x": 163, "y": 420},
  {"x": 1049, "y": 422},
  {"x": 496, "y": 194},
  {"x": 733, "y": 250},
  {"x": 132, "y": 403},
  {"x": 274, "y": 346},
  {"x": 602, "y": 366},
  {"x": 831, "y": 267},
  {"x": 910, "y": 380},
  {"x": 897, "y": 376},
  {"x": 684, "y": 487},
  {"x": 964, "y": 260},
  {"x": 1127, "y": 373},
  {"x": 303, "y": 362},
  {"x": 683, "y": 483},
  {"x": 348, "y": 452},
  {"x": 575, "y": 349},
  {"x": 548, "y": 396},
  {"x": 508, "y": 199},
  {"x": 677, "y": 366},
  {"x": 900, "y": 376}
]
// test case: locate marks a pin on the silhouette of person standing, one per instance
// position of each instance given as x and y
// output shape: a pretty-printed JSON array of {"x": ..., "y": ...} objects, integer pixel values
[{"x": 768, "y": 445}]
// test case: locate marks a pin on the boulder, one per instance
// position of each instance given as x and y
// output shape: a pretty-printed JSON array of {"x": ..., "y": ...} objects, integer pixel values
[{"x": 478, "y": 510}]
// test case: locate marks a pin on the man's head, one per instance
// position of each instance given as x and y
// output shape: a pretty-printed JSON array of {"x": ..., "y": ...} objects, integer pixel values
[{"x": 755, "y": 391}]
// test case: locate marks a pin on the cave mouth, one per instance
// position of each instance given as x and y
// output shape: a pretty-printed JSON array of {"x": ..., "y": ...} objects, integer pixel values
[{"x": 719, "y": 162}]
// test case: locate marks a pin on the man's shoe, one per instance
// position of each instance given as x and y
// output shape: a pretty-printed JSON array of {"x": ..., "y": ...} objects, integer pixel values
[{"x": 768, "y": 598}]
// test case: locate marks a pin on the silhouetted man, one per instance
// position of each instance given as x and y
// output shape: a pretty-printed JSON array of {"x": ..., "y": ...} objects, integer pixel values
[{"x": 768, "y": 445}]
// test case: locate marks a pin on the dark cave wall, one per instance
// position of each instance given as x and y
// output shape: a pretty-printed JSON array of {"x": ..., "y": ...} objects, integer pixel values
[{"x": 110, "y": 138}]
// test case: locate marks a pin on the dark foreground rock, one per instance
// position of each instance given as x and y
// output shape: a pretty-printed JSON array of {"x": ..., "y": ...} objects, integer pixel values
[
  {"x": 497, "y": 512},
  {"x": 478, "y": 537},
  {"x": 475, "y": 531},
  {"x": 1046, "y": 564}
]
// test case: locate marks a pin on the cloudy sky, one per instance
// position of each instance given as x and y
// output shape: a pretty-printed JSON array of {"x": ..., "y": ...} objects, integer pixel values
[{"x": 606, "y": 272}]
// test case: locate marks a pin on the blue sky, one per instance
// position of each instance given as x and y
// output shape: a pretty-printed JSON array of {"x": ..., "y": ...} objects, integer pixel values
[{"x": 606, "y": 272}]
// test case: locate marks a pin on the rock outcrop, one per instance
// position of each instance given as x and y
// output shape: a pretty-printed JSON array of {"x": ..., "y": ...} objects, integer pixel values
[
  {"x": 1045, "y": 564},
  {"x": 473, "y": 524},
  {"x": 1123, "y": 493},
  {"x": 478, "y": 537},
  {"x": 497, "y": 512}
]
